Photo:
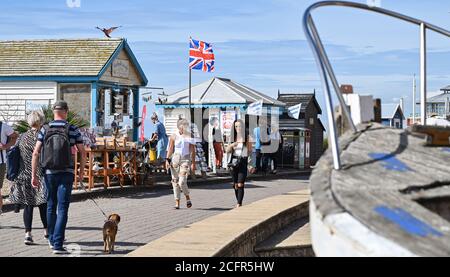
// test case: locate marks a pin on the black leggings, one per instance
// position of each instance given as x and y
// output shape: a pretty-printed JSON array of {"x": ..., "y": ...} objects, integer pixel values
[
  {"x": 239, "y": 192},
  {"x": 28, "y": 216}
]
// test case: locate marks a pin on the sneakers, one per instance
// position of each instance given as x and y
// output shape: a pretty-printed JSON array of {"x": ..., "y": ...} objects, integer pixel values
[
  {"x": 189, "y": 204},
  {"x": 50, "y": 245},
  {"x": 61, "y": 251},
  {"x": 28, "y": 240}
]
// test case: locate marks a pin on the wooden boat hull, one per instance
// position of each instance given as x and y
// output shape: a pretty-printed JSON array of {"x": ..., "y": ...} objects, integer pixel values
[{"x": 391, "y": 197}]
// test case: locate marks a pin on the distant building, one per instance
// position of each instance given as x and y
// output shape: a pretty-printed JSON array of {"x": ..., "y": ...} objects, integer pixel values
[
  {"x": 392, "y": 115},
  {"x": 309, "y": 119},
  {"x": 439, "y": 105}
]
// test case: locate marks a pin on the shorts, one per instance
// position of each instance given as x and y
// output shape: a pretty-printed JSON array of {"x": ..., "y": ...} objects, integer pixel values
[
  {"x": 239, "y": 174},
  {"x": 2, "y": 174}
]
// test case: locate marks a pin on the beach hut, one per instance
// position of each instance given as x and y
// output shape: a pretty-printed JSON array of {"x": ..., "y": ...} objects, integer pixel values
[
  {"x": 99, "y": 78},
  {"x": 219, "y": 98}
]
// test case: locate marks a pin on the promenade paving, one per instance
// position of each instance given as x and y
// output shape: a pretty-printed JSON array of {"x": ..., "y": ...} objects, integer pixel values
[{"x": 146, "y": 216}]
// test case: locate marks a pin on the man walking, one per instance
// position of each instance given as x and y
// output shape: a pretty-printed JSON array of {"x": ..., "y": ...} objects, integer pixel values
[
  {"x": 7, "y": 140},
  {"x": 54, "y": 151}
]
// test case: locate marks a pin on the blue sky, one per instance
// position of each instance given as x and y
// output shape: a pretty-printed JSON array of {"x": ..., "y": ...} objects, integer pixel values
[{"x": 259, "y": 43}]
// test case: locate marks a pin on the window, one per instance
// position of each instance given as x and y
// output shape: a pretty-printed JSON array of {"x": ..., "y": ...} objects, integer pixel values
[
  {"x": 120, "y": 102},
  {"x": 311, "y": 121},
  {"x": 76, "y": 96}
]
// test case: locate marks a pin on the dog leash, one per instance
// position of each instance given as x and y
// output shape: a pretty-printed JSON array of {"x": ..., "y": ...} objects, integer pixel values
[{"x": 92, "y": 199}]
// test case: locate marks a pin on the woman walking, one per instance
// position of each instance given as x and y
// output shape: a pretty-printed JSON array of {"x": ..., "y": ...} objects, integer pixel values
[
  {"x": 181, "y": 158},
  {"x": 240, "y": 151},
  {"x": 22, "y": 192}
]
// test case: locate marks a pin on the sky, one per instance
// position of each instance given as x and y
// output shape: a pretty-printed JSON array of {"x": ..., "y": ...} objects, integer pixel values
[{"x": 259, "y": 43}]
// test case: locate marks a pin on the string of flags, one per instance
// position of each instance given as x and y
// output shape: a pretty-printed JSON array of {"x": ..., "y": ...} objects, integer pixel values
[
  {"x": 294, "y": 111},
  {"x": 255, "y": 108}
]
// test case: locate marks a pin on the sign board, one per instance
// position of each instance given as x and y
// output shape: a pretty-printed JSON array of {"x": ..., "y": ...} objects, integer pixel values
[
  {"x": 121, "y": 68},
  {"x": 33, "y": 105},
  {"x": 108, "y": 117},
  {"x": 302, "y": 151},
  {"x": 227, "y": 119},
  {"x": 307, "y": 150}
]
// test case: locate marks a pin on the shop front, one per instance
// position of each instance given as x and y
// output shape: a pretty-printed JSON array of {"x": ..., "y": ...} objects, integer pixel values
[
  {"x": 219, "y": 101},
  {"x": 296, "y": 148},
  {"x": 99, "y": 78}
]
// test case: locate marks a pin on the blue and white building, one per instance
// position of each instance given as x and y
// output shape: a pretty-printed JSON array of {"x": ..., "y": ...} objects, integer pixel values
[
  {"x": 392, "y": 115},
  {"x": 99, "y": 78}
]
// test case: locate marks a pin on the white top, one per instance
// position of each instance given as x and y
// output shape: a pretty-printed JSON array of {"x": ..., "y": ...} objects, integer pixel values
[
  {"x": 6, "y": 131},
  {"x": 241, "y": 150},
  {"x": 182, "y": 145}
]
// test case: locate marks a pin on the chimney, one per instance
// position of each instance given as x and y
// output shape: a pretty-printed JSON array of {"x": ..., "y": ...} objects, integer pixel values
[
  {"x": 346, "y": 89},
  {"x": 402, "y": 106}
]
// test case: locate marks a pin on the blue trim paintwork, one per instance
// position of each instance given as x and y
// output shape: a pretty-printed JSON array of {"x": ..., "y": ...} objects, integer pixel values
[
  {"x": 390, "y": 162},
  {"x": 136, "y": 63},
  {"x": 172, "y": 106},
  {"x": 59, "y": 79},
  {"x": 124, "y": 46},
  {"x": 136, "y": 97},
  {"x": 407, "y": 222},
  {"x": 93, "y": 105},
  {"x": 84, "y": 79},
  {"x": 111, "y": 59}
]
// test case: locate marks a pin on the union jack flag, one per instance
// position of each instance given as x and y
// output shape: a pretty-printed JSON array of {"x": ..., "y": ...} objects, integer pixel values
[{"x": 201, "y": 56}]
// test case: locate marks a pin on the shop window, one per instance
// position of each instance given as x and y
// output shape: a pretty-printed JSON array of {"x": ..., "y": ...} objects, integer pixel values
[
  {"x": 76, "y": 96},
  {"x": 120, "y": 102}
]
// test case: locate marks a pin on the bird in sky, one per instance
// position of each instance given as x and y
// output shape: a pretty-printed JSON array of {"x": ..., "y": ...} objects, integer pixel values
[{"x": 108, "y": 32}]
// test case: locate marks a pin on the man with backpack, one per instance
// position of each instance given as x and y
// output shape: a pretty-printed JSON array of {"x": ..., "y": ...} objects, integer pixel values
[
  {"x": 54, "y": 152},
  {"x": 7, "y": 140}
]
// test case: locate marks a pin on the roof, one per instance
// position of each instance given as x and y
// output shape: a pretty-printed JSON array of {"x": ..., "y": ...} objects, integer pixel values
[
  {"x": 293, "y": 99},
  {"x": 220, "y": 91},
  {"x": 447, "y": 88},
  {"x": 441, "y": 98},
  {"x": 61, "y": 57},
  {"x": 388, "y": 111},
  {"x": 289, "y": 123}
]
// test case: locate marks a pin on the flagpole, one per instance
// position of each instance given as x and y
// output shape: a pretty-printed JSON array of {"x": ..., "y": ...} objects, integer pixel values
[
  {"x": 190, "y": 95},
  {"x": 190, "y": 99}
]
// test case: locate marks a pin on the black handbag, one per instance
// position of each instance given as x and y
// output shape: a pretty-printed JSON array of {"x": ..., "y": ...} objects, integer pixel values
[
  {"x": 233, "y": 162},
  {"x": 13, "y": 162}
]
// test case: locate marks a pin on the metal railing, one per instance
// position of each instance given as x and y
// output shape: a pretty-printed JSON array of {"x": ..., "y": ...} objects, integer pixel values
[{"x": 326, "y": 70}]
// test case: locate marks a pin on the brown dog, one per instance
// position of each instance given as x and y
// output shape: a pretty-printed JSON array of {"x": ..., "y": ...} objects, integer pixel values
[{"x": 109, "y": 232}]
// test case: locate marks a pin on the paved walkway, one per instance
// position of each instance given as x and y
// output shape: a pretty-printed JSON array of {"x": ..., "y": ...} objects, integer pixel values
[{"x": 145, "y": 217}]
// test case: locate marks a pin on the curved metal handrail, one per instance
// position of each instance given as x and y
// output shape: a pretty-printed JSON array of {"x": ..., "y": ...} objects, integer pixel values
[{"x": 326, "y": 70}]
